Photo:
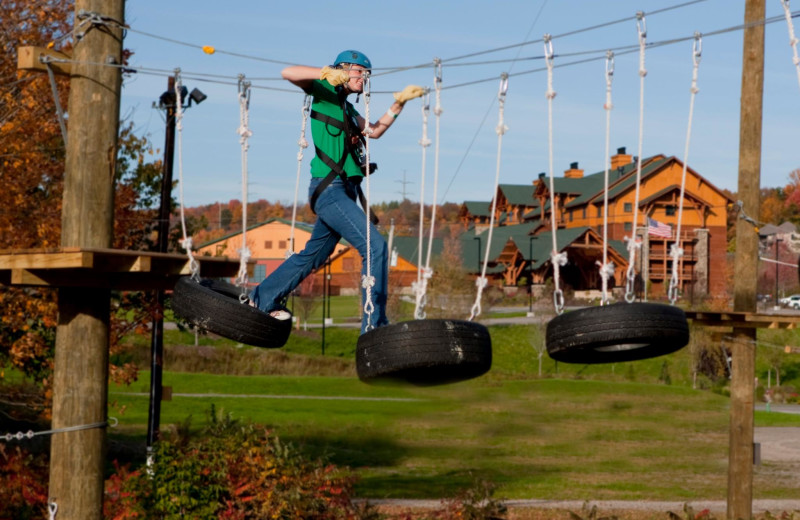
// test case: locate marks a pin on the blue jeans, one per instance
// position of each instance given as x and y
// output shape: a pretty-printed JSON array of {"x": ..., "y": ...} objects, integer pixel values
[{"x": 338, "y": 216}]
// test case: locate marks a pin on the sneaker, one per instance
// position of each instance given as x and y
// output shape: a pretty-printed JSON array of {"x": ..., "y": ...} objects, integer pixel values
[{"x": 280, "y": 315}]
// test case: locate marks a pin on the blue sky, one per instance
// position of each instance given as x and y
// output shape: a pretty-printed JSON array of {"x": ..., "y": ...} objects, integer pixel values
[{"x": 413, "y": 32}]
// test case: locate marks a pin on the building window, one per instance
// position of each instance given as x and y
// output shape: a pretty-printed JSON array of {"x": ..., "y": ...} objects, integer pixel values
[
  {"x": 267, "y": 244},
  {"x": 281, "y": 244},
  {"x": 599, "y": 211},
  {"x": 570, "y": 215},
  {"x": 628, "y": 207},
  {"x": 259, "y": 273},
  {"x": 628, "y": 226},
  {"x": 671, "y": 211},
  {"x": 584, "y": 212}
]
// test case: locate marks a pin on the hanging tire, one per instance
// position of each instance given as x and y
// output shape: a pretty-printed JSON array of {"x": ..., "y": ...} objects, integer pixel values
[
  {"x": 424, "y": 352},
  {"x": 214, "y": 305},
  {"x": 617, "y": 332}
]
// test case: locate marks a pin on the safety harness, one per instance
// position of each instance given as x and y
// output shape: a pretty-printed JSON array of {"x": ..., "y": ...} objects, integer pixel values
[{"x": 337, "y": 168}]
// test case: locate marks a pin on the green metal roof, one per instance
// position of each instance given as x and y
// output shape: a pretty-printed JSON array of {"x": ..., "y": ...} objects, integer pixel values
[
  {"x": 478, "y": 208},
  {"x": 519, "y": 194}
]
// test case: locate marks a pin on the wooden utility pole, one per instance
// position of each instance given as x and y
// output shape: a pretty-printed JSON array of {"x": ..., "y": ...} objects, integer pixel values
[
  {"x": 740, "y": 458},
  {"x": 80, "y": 380}
]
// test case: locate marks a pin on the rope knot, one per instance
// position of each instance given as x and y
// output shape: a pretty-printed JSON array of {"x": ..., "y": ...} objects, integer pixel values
[
  {"x": 501, "y": 129},
  {"x": 634, "y": 243},
  {"x": 367, "y": 282},
  {"x": 481, "y": 282},
  {"x": 559, "y": 259},
  {"x": 186, "y": 243},
  {"x": 551, "y": 94},
  {"x": 675, "y": 251},
  {"x": 425, "y": 142},
  {"x": 606, "y": 270},
  {"x": 303, "y": 142},
  {"x": 427, "y": 272}
]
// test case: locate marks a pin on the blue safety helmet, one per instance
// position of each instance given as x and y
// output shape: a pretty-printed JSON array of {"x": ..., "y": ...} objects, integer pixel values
[{"x": 355, "y": 57}]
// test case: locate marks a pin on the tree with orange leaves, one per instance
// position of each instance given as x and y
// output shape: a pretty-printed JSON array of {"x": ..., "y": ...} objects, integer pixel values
[{"x": 32, "y": 157}]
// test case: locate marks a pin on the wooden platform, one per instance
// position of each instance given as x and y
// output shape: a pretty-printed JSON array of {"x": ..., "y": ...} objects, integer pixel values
[
  {"x": 744, "y": 320},
  {"x": 106, "y": 268}
]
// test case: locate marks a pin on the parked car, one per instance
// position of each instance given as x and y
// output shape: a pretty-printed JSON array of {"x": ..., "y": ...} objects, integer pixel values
[{"x": 792, "y": 301}]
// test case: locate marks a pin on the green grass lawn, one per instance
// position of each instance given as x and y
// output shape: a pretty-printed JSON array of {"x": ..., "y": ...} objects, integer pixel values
[{"x": 549, "y": 438}]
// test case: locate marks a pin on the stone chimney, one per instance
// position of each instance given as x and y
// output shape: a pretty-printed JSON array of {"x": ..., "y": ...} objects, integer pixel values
[
  {"x": 574, "y": 172},
  {"x": 621, "y": 159}
]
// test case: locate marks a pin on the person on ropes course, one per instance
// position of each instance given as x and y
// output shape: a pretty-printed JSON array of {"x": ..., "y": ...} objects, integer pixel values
[{"x": 337, "y": 170}]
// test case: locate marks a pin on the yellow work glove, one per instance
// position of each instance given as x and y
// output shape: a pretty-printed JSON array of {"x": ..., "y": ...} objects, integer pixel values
[
  {"x": 408, "y": 93},
  {"x": 335, "y": 77}
]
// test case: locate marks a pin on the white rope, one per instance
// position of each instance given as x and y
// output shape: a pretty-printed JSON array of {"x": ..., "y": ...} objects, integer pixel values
[
  {"x": 368, "y": 280},
  {"x": 606, "y": 267},
  {"x": 501, "y": 129},
  {"x": 30, "y": 434},
  {"x": 633, "y": 242},
  {"x": 303, "y": 144},
  {"x": 770, "y": 260},
  {"x": 792, "y": 39},
  {"x": 424, "y": 273},
  {"x": 186, "y": 242},
  {"x": 557, "y": 259},
  {"x": 676, "y": 252},
  {"x": 244, "y": 135},
  {"x": 52, "y": 509}
]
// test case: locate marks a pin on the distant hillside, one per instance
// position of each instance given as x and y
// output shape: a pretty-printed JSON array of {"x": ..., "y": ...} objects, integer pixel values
[{"x": 226, "y": 217}]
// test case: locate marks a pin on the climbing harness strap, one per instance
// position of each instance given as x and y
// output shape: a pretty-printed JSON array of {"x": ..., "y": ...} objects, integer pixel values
[{"x": 337, "y": 168}]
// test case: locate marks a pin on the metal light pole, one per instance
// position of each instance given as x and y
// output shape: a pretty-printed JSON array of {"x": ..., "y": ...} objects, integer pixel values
[
  {"x": 479, "y": 253},
  {"x": 530, "y": 274},
  {"x": 167, "y": 103},
  {"x": 777, "y": 240}
]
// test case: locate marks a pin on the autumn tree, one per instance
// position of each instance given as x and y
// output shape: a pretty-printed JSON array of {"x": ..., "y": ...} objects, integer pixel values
[{"x": 32, "y": 156}]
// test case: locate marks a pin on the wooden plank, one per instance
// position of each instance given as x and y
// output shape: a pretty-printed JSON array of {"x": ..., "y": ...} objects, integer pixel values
[
  {"x": 59, "y": 260},
  {"x": 30, "y": 58}
]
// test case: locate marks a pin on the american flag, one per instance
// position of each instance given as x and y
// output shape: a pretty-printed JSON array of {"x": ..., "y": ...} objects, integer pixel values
[{"x": 658, "y": 229}]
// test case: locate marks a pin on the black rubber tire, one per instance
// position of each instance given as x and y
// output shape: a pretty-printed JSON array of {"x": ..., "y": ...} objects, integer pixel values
[
  {"x": 617, "y": 332},
  {"x": 213, "y": 305},
  {"x": 424, "y": 352}
]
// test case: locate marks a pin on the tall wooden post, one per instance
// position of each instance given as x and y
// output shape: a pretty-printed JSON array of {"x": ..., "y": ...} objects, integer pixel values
[
  {"x": 740, "y": 458},
  {"x": 80, "y": 380}
]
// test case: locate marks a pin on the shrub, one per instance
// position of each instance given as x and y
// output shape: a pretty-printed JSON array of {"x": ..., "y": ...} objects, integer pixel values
[
  {"x": 230, "y": 472},
  {"x": 23, "y": 494}
]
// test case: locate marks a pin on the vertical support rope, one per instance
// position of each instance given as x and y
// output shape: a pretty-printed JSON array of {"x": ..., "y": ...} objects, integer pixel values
[
  {"x": 557, "y": 259},
  {"x": 368, "y": 281},
  {"x": 792, "y": 39},
  {"x": 437, "y": 111},
  {"x": 676, "y": 251},
  {"x": 501, "y": 129},
  {"x": 633, "y": 242},
  {"x": 420, "y": 287},
  {"x": 186, "y": 242},
  {"x": 244, "y": 135},
  {"x": 303, "y": 144},
  {"x": 606, "y": 267}
]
